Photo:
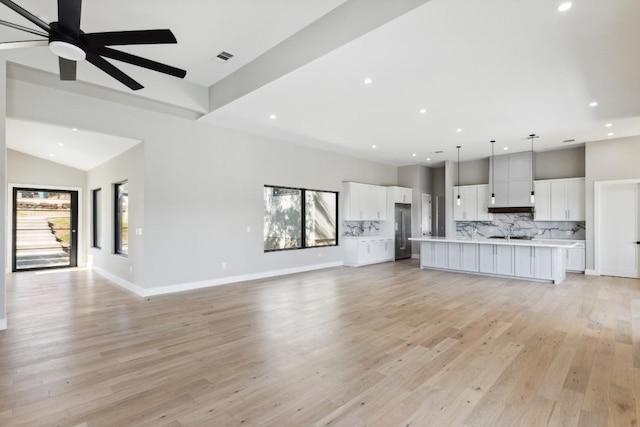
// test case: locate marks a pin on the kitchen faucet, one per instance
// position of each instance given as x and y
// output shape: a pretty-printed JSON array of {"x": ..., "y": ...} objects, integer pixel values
[{"x": 510, "y": 229}]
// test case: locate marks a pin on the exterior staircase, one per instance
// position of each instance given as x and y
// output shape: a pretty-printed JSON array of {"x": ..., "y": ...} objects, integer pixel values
[{"x": 36, "y": 245}]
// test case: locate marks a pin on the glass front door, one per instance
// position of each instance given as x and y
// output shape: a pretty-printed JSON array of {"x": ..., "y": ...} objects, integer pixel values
[{"x": 45, "y": 226}]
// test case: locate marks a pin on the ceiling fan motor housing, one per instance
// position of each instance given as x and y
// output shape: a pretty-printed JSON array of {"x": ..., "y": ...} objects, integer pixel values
[{"x": 66, "y": 46}]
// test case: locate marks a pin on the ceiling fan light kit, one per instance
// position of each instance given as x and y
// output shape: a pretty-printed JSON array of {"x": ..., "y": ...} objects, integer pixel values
[
  {"x": 71, "y": 44},
  {"x": 67, "y": 51}
]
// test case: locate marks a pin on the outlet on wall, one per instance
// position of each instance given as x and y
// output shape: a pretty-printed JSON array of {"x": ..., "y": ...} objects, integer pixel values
[
  {"x": 224, "y": 265},
  {"x": 248, "y": 229}
]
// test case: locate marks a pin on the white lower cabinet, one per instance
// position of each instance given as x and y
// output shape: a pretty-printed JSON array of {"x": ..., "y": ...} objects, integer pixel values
[
  {"x": 367, "y": 250},
  {"x": 434, "y": 255},
  {"x": 487, "y": 259},
  {"x": 536, "y": 263},
  {"x": 385, "y": 250},
  {"x": 496, "y": 259},
  {"x": 463, "y": 257},
  {"x": 576, "y": 258},
  {"x": 504, "y": 260}
]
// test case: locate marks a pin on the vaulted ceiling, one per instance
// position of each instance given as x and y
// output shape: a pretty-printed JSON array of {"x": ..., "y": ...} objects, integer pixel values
[{"x": 442, "y": 72}]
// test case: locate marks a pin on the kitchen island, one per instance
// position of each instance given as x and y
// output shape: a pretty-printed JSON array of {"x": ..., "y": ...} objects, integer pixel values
[{"x": 536, "y": 260}]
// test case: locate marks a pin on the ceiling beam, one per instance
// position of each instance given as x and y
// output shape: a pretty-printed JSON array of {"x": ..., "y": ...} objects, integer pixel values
[{"x": 342, "y": 25}]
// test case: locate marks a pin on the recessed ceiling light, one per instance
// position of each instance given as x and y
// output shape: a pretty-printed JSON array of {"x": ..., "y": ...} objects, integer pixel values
[
  {"x": 593, "y": 104},
  {"x": 60, "y": 144},
  {"x": 74, "y": 129},
  {"x": 51, "y": 155},
  {"x": 423, "y": 111},
  {"x": 368, "y": 81},
  {"x": 273, "y": 116},
  {"x": 610, "y": 134},
  {"x": 428, "y": 159},
  {"x": 374, "y": 146},
  {"x": 414, "y": 154},
  {"x": 564, "y": 6},
  {"x": 505, "y": 148},
  {"x": 608, "y": 125},
  {"x": 459, "y": 130}
]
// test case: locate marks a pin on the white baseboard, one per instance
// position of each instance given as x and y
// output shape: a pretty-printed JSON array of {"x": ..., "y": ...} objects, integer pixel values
[
  {"x": 589, "y": 272},
  {"x": 138, "y": 290},
  {"x": 3, "y": 324},
  {"x": 181, "y": 287}
]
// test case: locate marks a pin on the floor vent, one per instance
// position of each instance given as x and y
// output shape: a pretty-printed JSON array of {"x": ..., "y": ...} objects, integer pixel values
[{"x": 224, "y": 56}]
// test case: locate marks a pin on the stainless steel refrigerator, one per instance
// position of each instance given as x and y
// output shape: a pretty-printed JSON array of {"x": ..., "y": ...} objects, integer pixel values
[{"x": 402, "y": 226}]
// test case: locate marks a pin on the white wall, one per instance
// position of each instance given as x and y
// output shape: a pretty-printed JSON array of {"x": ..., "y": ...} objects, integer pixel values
[
  {"x": 203, "y": 187},
  {"x": 3, "y": 191},
  {"x": 128, "y": 166},
  {"x": 23, "y": 169},
  {"x": 609, "y": 160}
]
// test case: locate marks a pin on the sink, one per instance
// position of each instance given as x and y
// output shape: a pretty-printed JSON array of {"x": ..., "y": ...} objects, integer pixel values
[{"x": 512, "y": 237}]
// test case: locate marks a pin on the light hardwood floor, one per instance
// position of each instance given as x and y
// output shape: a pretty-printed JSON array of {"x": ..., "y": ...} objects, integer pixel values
[{"x": 385, "y": 345}]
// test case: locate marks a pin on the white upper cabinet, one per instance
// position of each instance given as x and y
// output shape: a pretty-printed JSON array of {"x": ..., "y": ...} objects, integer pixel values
[
  {"x": 576, "y": 210},
  {"x": 474, "y": 201},
  {"x": 543, "y": 200},
  {"x": 363, "y": 202},
  {"x": 400, "y": 194},
  {"x": 483, "y": 203},
  {"x": 512, "y": 175},
  {"x": 560, "y": 200}
]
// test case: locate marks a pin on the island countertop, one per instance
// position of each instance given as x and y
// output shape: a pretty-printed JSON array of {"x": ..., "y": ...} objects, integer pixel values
[{"x": 544, "y": 243}]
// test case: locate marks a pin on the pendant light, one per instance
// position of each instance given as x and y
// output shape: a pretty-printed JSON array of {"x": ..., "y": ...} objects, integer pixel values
[
  {"x": 493, "y": 181},
  {"x": 533, "y": 195},
  {"x": 458, "y": 200}
]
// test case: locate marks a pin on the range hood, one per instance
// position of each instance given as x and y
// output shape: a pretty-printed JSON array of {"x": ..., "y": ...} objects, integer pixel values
[{"x": 512, "y": 209}]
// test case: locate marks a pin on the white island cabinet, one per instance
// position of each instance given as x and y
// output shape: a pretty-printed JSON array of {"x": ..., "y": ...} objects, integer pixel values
[{"x": 537, "y": 260}]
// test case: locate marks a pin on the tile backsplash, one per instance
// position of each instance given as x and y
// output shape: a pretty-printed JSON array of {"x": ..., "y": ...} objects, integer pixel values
[
  {"x": 523, "y": 225},
  {"x": 361, "y": 228}
]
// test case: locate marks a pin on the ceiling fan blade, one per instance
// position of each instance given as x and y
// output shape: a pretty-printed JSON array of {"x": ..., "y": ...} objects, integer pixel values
[
  {"x": 21, "y": 28},
  {"x": 27, "y": 15},
  {"x": 139, "y": 61},
  {"x": 128, "y": 37},
  {"x": 114, "y": 72},
  {"x": 67, "y": 69},
  {"x": 27, "y": 43},
  {"x": 69, "y": 16}
]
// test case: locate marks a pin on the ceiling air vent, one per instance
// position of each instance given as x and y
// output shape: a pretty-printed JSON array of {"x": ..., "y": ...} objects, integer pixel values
[
  {"x": 224, "y": 56},
  {"x": 569, "y": 140}
]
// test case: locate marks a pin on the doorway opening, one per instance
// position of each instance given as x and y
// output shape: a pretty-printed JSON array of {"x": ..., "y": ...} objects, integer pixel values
[{"x": 45, "y": 224}]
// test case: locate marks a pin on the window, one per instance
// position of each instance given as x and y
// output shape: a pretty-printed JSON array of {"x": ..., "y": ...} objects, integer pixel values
[
  {"x": 96, "y": 217},
  {"x": 122, "y": 218},
  {"x": 285, "y": 209}
]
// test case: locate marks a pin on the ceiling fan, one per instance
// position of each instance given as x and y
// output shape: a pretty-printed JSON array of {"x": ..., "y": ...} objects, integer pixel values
[{"x": 71, "y": 44}]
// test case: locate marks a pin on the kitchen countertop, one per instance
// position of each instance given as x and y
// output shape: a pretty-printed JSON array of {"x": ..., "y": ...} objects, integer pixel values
[{"x": 546, "y": 243}]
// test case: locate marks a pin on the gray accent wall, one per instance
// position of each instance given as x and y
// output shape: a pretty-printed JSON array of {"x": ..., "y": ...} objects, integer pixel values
[
  {"x": 558, "y": 164},
  {"x": 203, "y": 188},
  {"x": 609, "y": 160},
  {"x": 474, "y": 172},
  {"x": 420, "y": 179}
]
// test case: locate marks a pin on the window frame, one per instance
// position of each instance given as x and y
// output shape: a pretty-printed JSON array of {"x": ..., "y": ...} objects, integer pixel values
[
  {"x": 117, "y": 219},
  {"x": 96, "y": 218},
  {"x": 303, "y": 216}
]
